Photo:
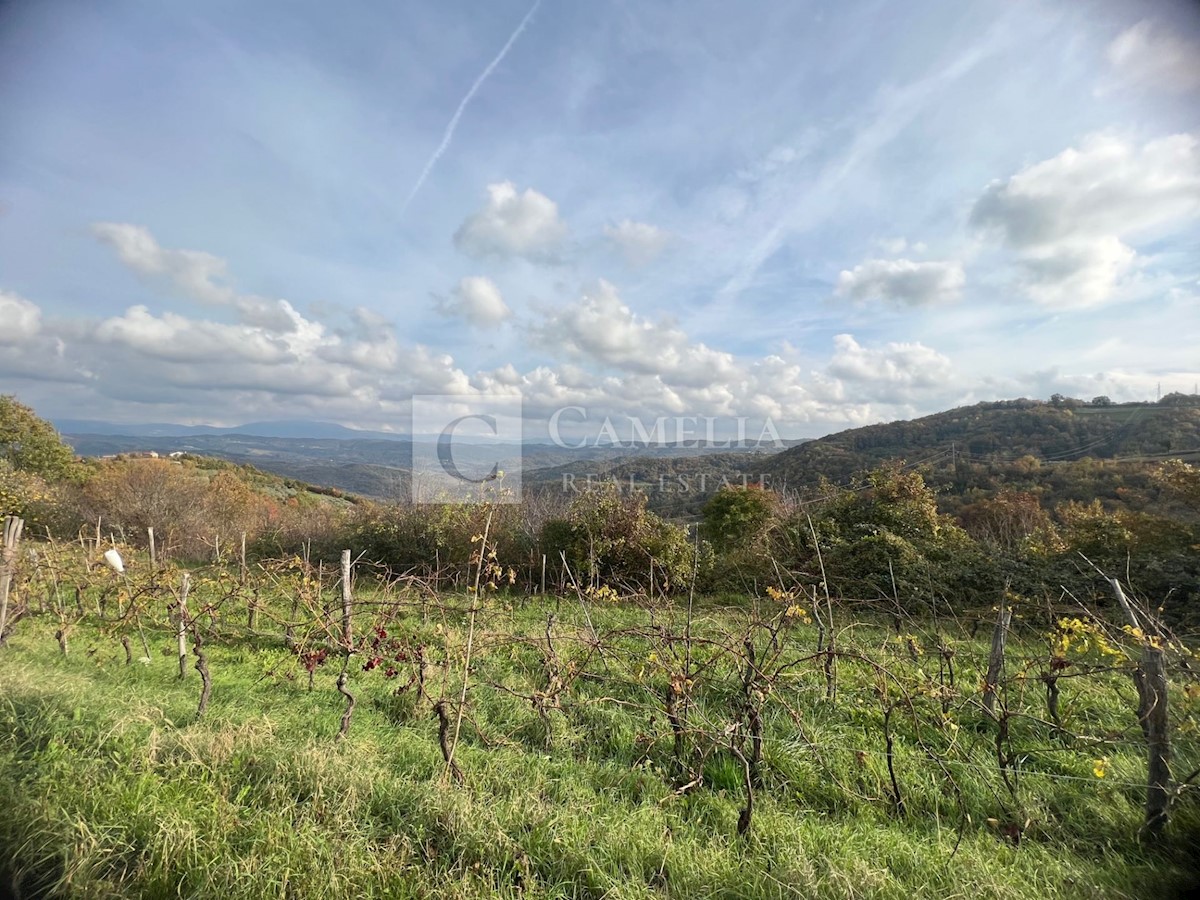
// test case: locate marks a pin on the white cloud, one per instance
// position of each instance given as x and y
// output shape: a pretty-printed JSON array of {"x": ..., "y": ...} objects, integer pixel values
[
  {"x": 273, "y": 351},
  {"x": 903, "y": 281},
  {"x": 182, "y": 351},
  {"x": 638, "y": 242},
  {"x": 176, "y": 338},
  {"x": 600, "y": 327},
  {"x": 904, "y": 365},
  {"x": 656, "y": 369},
  {"x": 477, "y": 300},
  {"x": 1068, "y": 218},
  {"x": 629, "y": 366},
  {"x": 1147, "y": 54},
  {"x": 195, "y": 274},
  {"x": 512, "y": 223},
  {"x": 1084, "y": 271},
  {"x": 602, "y": 355},
  {"x": 20, "y": 320}
]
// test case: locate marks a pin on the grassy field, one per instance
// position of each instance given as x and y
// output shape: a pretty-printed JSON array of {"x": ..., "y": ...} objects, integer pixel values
[{"x": 110, "y": 786}]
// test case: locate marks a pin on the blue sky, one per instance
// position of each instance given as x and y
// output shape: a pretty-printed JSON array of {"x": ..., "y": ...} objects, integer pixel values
[{"x": 825, "y": 214}]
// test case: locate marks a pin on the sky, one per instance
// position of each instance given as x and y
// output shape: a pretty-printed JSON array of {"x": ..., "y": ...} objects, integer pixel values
[{"x": 819, "y": 214}]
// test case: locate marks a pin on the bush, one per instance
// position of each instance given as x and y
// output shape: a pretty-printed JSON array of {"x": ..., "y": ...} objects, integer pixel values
[
  {"x": 884, "y": 537},
  {"x": 613, "y": 540},
  {"x": 24, "y": 494},
  {"x": 30, "y": 444},
  {"x": 737, "y": 517}
]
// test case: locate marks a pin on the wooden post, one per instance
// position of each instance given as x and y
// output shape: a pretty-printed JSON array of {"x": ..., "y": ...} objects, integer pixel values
[
  {"x": 12, "y": 536},
  {"x": 153, "y": 554},
  {"x": 348, "y": 648},
  {"x": 996, "y": 656},
  {"x": 183, "y": 622},
  {"x": 1150, "y": 678},
  {"x": 347, "y": 635},
  {"x": 543, "y": 573},
  {"x": 243, "y": 557}
]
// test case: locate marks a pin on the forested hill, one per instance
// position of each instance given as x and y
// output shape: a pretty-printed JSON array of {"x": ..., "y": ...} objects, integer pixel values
[{"x": 1059, "y": 430}]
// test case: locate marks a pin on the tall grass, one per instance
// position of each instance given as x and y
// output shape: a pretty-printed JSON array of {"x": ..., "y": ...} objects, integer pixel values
[{"x": 110, "y": 788}]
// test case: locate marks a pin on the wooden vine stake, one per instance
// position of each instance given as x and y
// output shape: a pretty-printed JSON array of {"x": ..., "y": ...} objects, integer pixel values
[
  {"x": 8, "y": 554},
  {"x": 183, "y": 624},
  {"x": 996, "y": 656},
  {"x": 347, "y": 646},
  {"x": 188, "y": 621},
  {"x": 1150, "y": 678}
]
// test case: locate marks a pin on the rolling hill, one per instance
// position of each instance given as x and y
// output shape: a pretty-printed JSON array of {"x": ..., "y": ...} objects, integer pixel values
[{"x": 991, "y": 434}]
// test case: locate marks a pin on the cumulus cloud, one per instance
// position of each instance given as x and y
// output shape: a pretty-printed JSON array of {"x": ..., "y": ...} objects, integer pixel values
[
  {"x": 600, "y": 327},
  {"x": 655, "y": 366},
  {"x": 271, "y": 351},
  {"x": 1148, "y": 54},
  {"x": 20, "y": 320},
  {"x": 477, "y": 300},
  {"x": 513, "y": 224},
  {"x": 639, "y": 243},
  {"x": 1077, "y": 272},
  {"x": 176, "y": 338},
  {"x": 907, "y": 365},
  {"x": 194, "y": 273},
  {"x": 903, "y": 281},
  {"x": 1068, "y": 218},
  {"x": 604, "y": 357},
  {"x": 176, "y": 351}
]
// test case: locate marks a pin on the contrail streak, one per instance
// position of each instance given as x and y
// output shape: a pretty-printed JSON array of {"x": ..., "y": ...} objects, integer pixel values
[{"x": 449, "y": 134}]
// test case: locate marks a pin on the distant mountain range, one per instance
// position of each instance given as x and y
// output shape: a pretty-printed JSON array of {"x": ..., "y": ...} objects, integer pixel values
[
  {"x": 359, "y": 462},
  {"x": 309, "y": 430},
  {"x": 677, "y": 478},
  {"x": 279, "y": 429}
]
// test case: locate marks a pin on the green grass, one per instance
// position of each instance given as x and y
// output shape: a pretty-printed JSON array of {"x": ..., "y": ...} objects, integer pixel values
[{"x": 110, "y": 788}]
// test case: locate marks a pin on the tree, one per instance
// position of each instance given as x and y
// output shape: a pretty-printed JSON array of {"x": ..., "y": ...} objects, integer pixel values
[
  {"x": 232, "y": 507},
  {"x": 884, "y": 536},
  {"x": 136, "y": 494},
  {"x": 1006, "y": 520},
  {"x": 1176, "y": 398},
  {"x": 22, "y": 494},
  {"x": 613, "y": 540},
  {"x": 1101, "y": 401},
  {"x": 737, "y": 516},
  {"x": 30, "y": 444},
  {"x": 1181, "y": 480}
]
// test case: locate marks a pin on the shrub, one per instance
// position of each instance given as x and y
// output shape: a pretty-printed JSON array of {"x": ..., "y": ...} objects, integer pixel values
[
  {"x": 30, "y": 444},
  {"x": 24, "y": 494},
  {"x": 611, "y": 539}
]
